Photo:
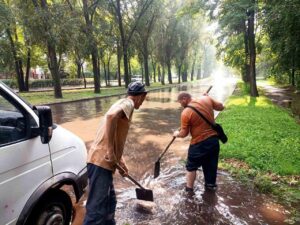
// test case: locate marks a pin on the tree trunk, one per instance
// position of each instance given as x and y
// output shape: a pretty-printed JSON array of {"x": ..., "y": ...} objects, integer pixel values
[
  {"x": 154, "y": 70},
  {"x": 53, "y": 67},
  {"x": 143, "y": 75},
  {"x": 119, "y": 64},
  {"x": 252, "y": 51},
  {"x": 125, "y": 61},
  {"x": 184, "y": 75},
  {"x": 105, "y": 73},
  {"x": 146, "y": 68},
  {"x": 169, "y": 72},
  {"x": 193, "y": 68},
  {"x": 293, "y": 69},
  {"x": 78, "y": 64},
  {"x": 159, "y": 74},
  {"x": 108, "y": 70},
  {"x": 129, "y": 74},
  {"x": 162, "y": 78},
  {"x": 154, "y": 73},
  {"x": 179, "y": 74},
  {"x": 246, "y": 70},
  {"x": 96, "y": 71},
  {"x": 18, "y": 63},
  {"x": 99, "y": 72},
  {"x": 84, "y": 80},
  {"x": 26, "y": 86}
]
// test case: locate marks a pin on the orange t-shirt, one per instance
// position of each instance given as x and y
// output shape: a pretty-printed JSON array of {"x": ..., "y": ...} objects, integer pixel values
[{"x": 190, "y": 120}]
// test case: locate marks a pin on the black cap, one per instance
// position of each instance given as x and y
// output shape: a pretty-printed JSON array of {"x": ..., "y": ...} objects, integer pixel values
[{"x": 136, "y": 88}]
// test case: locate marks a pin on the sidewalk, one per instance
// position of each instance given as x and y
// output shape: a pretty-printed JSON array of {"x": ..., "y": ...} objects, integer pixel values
[{"x": 286, "y": 97}]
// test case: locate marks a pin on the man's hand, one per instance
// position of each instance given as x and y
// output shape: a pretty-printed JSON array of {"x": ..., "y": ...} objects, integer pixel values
[
  {"x": 176, "y": 133},
  {"x": 123, "y": 170}
]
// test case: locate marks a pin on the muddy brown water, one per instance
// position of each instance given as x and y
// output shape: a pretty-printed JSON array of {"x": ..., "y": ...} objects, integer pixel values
[{"x": 150, "y": 132}]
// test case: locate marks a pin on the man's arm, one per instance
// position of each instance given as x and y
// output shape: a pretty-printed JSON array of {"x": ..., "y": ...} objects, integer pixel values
[
  {"x": 122, "y": 164},
  {"x": 184, "y": 128},
  {"x": 111, "y": 126},
  {"x": 217, "y": 105},
  {"x": 183, "y": 132}
]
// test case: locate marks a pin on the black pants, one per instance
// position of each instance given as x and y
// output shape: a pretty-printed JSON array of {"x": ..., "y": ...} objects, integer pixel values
[
  {"x": 101, "y": 202},
  {"x": 205, "y": 154}
]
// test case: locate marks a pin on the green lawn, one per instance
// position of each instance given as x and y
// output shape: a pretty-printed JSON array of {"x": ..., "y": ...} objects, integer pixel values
[
  {"x": 261, "y": 134},
  {"x": 264, "y": 145}
]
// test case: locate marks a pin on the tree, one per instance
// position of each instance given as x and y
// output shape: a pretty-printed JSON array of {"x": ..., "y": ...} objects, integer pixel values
[
  {"x": 15, "y": 35},
  {"x": 188, "y": 33},
  {"x": 89, "y": 12},
  {"x": 158, "y": 51},
  {"x": 78, "y": 50},
  {"x": 252, "y": 48},
  {"x": 284, "y": 43},
  {"x": 123, "y": 16},
  {"x": 144, "y": 30},
  {"x": 238, "y": 36},
  {"x": 47, "y": 21}
]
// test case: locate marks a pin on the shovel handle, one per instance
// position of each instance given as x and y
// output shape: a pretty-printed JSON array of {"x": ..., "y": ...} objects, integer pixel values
[
  {"x": 208, "y": 90},
  {"x": 166, "y": 149},
  {"x": 134, "y": 181},
  {"x": 130, "y": 177}
]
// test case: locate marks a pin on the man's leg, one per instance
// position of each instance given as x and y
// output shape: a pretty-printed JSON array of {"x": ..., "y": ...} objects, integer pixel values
[
  {"x": 112, "y": 203},
  {"x": 100, "y": 181},
  {"x": 190, "y": 179},
  {"x": 192, "y": 164},
  {"x": 210, "y": 167}
]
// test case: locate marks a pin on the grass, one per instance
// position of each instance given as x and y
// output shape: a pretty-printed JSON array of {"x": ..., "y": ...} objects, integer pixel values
[
  {"x": 46, "y": 97},
  {"x": 264, "y": 145},
  {"x": 261, "y": 134}
]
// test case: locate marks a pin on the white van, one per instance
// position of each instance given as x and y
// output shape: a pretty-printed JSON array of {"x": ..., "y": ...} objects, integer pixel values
[{"x": 39, "y": 161}]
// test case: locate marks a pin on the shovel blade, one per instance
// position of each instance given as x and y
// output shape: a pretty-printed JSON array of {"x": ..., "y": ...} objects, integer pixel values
[
  {"x": 144, "y": 194},
  {"x": 156, "y": 169}
]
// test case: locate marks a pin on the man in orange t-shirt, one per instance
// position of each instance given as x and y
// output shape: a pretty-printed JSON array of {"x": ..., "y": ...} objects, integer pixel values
[{"x": 204, "y": 146}]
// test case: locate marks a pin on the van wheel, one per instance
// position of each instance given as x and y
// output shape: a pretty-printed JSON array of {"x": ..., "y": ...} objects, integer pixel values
[{"x": 54, "y": 209}]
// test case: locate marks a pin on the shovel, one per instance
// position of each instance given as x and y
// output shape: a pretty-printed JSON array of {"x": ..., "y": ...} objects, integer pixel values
[
  {"x": 157, "y": 163},
  {"x": 141, "y": 193}
]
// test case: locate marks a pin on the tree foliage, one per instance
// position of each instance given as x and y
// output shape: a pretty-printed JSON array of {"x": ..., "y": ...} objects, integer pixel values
[{"x": 282, "y": 25}]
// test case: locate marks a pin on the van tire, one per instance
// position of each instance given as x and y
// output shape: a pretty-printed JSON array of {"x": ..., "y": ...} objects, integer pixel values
[{"x": 54, "y": 208}]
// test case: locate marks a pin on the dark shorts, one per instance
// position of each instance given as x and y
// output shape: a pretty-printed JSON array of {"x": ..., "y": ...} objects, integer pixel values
[{"x": 203, "y": 153}]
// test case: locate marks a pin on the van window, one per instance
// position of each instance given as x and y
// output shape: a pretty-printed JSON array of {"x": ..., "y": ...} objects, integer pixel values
[{"x": 12, "y": 122}]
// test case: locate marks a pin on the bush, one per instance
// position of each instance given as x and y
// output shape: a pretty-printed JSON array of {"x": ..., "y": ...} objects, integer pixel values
[
  {"x": 71, "y": 82},
  {"x": 47, "y": 83},
  {"x": 40, "y": 83},
  {"x": 11, "y": 83}
]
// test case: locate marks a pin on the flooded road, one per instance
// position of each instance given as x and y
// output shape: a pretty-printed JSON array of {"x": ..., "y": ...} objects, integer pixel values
[{"x": 149, "y": 134}]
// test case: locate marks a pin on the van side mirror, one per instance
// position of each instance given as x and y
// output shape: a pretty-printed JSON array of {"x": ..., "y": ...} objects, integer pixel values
[{"x": 46, "y": 124}]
